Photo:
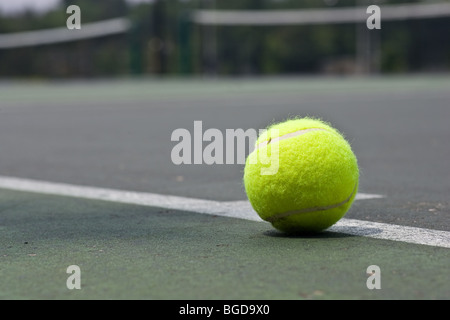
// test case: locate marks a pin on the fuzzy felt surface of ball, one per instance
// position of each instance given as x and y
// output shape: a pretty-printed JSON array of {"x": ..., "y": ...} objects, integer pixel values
[{"x": 302, "y": 176}]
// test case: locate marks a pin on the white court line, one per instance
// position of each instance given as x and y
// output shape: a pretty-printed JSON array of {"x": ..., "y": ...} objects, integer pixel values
[{"x": 234, "y": 209}]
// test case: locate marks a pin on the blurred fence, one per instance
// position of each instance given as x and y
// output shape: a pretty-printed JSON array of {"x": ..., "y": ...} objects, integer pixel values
[{"x": 191, "y": 40}]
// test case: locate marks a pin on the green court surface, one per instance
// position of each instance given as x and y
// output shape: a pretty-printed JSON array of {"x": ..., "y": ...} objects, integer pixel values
[
  {"x": 117, "y": 135},
  {"x": 136, "y": 252}
]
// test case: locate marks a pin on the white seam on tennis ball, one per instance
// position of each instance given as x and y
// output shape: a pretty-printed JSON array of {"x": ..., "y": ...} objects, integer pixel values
[
  {"x": 313, "y": 209},
  {"x": 287, "y": 136}
]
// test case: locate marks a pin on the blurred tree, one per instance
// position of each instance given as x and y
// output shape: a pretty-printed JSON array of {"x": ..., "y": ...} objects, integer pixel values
[{"x": 92, "y": 10}]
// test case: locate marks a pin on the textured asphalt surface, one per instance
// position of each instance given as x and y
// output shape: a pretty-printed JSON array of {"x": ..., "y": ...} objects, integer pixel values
[{"x": 117, "y": 134}]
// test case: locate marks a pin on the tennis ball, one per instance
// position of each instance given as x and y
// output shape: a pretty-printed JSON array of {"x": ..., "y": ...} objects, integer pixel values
[{"x": 302, "y": 176}]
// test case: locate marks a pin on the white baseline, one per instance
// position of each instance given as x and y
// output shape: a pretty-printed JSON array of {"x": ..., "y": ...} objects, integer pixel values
[{"x": 233, "y": 209}]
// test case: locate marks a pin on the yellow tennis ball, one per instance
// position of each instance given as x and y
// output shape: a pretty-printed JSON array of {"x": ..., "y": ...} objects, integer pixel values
[{"x": 302, "y": 176}]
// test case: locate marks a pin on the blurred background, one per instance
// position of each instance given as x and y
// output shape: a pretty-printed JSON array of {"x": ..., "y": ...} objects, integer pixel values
[{"x": 187, "y": 37}]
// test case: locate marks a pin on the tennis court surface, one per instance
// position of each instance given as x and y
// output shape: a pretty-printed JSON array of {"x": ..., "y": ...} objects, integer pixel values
[{"x": 87, "y": 179}]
